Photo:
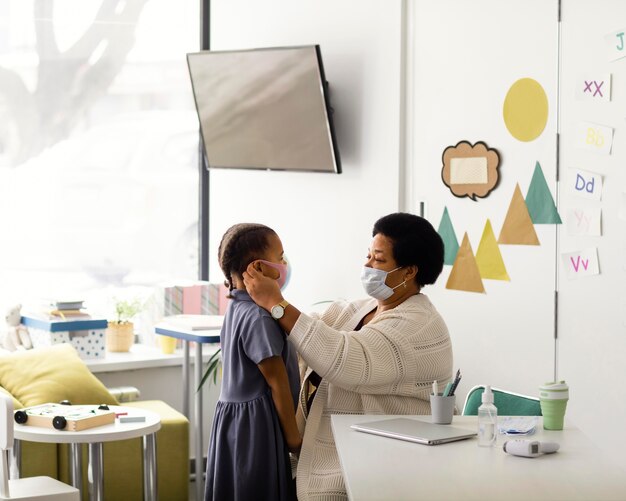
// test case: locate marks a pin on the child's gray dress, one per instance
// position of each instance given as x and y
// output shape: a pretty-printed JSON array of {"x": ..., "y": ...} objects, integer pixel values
[{"x": 248, "y": 457}]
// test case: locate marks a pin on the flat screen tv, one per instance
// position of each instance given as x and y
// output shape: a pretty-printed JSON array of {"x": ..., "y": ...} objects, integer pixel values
[{"x": 265, "y": 109}]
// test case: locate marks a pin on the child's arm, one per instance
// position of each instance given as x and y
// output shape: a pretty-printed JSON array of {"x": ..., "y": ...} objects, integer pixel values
[{"x": 275, "y": 373}]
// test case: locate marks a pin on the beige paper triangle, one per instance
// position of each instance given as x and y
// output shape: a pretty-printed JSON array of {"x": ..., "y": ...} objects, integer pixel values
[
  {"x": 518, "y": 228},
  {"x": 465, "y": 275},
  {"x": 489, "y": 258}
]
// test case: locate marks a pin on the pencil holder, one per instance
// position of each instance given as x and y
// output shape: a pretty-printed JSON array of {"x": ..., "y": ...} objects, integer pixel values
[
  {"x": 168, "y": 344},
  {"x": 442, "y": 408}
]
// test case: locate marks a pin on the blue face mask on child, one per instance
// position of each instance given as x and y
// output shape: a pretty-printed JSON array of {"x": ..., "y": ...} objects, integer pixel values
[{"x": 373, "y": 281}]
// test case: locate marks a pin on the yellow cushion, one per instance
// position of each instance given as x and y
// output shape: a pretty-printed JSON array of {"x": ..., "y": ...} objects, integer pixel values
[{"x": 51, "y": 374}]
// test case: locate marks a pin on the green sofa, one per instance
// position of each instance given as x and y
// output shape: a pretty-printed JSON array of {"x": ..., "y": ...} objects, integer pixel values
[{"x": 57, "y": 373}]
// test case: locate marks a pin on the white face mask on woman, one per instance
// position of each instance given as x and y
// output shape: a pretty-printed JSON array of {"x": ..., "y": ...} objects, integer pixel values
[{"x": 373, "y": 281}]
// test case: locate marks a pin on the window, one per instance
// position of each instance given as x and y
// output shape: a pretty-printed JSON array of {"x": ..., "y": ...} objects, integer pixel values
[{"x": 98, "y": 145}]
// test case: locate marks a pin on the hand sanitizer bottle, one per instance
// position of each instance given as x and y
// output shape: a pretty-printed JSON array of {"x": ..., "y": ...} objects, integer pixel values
[{"x": 487, "y": 420}]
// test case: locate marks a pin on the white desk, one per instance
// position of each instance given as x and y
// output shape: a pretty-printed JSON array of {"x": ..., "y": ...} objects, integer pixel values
[
  {"x": 209, "y": 335},
  {"x": 379, "y": 468},
  {"x": 94, "y": 437}
]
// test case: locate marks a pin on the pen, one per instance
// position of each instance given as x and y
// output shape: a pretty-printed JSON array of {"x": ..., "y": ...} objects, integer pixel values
[
  {"x": 457, "y": 380},
  {"x": 446, "y": 392},
  {"x": 435, "y": 388}
]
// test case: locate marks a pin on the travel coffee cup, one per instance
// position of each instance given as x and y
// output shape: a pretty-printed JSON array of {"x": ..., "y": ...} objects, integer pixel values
[{"x": 553, "y": 399}]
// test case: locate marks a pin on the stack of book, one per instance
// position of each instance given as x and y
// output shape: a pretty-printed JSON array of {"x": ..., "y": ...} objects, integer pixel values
[{"x": 67, "y": 310}]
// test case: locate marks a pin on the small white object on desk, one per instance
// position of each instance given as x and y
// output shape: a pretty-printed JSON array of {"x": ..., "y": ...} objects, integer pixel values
[
  {"x": 132, "y": 419},
  {"x": 529, "y": 448},
  {"x": 517, "y": 425}
]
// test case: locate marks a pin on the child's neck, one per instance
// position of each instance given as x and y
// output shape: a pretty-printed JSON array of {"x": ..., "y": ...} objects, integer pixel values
[{"x": 238, "y": 283}]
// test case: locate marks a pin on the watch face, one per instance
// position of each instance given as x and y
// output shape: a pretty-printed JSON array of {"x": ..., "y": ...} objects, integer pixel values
[{"x": 277, "y": 311}]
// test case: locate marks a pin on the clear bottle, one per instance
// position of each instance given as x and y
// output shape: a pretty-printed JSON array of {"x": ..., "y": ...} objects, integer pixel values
[{"x": 487, "y": 420}]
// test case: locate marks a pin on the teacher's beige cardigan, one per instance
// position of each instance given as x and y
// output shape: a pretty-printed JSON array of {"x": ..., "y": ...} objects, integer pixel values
[{"x": 387, "y": 367}]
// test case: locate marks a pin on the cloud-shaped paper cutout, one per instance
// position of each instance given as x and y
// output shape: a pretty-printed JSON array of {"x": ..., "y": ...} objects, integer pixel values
[{"x": 470, "y": 170}]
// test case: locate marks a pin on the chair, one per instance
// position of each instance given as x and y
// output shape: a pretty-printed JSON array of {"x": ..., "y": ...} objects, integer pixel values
[
  {"x": 33, "y": 488},
  {"x": 507, "y": 402}
]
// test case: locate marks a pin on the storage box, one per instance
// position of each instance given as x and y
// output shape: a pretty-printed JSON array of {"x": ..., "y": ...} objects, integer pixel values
[
  {"x": 85, "y": 335},
  {"x": 216, "y": 302},
  {"x": 195, "y": 298}
]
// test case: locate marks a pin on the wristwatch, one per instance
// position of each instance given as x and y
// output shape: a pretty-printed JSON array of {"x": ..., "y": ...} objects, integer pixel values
[{"x": 278, "y": 310}]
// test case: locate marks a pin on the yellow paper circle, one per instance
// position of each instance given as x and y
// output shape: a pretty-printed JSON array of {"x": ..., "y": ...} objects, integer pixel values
[{"x": 525, "y": 109}]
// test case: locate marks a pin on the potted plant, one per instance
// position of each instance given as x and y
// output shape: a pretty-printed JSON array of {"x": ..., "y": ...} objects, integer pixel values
[
  {"x": 120, "y": 333},
  {"x": 213, "y": 367}
]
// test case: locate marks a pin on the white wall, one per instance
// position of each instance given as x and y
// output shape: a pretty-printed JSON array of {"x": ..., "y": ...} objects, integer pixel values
[
  {"x": 504, "y": 337},
  {"x": 592, "y": 310},
  {"x": 324, "y": 220}
]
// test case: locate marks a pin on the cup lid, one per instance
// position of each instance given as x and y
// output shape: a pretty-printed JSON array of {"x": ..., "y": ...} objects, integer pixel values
[{"x": 554, "y": 386}]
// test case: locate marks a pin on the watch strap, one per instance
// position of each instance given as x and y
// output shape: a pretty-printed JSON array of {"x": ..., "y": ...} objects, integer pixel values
[{"x": 277, "y": 315}]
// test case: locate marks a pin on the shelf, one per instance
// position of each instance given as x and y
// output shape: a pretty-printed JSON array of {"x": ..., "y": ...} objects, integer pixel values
[{"x": 144, "y": 357}]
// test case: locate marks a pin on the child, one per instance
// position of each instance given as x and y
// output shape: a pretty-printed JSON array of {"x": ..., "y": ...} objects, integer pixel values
[{"x": 254, "y": 425}]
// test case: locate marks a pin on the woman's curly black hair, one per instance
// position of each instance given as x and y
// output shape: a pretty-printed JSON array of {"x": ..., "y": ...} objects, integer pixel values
[{"x": 415, "y": 242}]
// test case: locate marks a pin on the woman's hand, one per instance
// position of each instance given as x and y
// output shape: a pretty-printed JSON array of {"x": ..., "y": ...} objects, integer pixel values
[
  {"x": 263, "y": 290},
  {"x": 295, "y": 447}
]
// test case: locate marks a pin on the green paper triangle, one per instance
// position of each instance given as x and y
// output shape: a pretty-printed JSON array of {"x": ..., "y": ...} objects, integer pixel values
[
  {"x": 539, "y": 200},
  {"x": 450, "y": 243}
]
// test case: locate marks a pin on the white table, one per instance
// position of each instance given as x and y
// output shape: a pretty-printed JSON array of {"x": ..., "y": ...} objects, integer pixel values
[
  {"x": 94, "y": 437},
  {"x": 379, "y": 468},
  {"x": 208, "y": 335}
]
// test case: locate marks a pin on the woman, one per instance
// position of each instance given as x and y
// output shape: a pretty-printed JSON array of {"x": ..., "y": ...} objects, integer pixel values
[{"x": 372, "y": 356}]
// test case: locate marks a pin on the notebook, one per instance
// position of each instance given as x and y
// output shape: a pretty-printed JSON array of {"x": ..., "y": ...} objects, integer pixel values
[{"x": 413, "y": 430}]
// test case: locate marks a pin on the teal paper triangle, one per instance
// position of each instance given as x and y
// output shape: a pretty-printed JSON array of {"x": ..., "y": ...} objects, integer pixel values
[
  {"x": 450, "y": 243},
  {"x": 539, "y": 200}
]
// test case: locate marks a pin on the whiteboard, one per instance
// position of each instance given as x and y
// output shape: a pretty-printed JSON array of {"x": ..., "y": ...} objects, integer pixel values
[
  {"x": 592, "y": 309},
  {"x": 462, "y": 59}
]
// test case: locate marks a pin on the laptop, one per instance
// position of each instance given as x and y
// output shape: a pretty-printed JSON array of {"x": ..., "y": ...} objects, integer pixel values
[{"x": 413, "y": 430}]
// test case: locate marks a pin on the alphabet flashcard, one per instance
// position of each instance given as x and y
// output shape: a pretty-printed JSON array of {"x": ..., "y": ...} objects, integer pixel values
[
  {"x": 586, "y": 184},
  {"x": 594, "y": 87},
  {"x": 584, "y": 221},
  {"x": 581, "y": 263},
  {"x": 594, "y": 137},
  {"x": 616, "y": 44}
]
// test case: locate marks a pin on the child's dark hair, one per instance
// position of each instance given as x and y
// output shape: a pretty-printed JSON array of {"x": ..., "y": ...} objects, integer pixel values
[{"x": 240, "y": 245}]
